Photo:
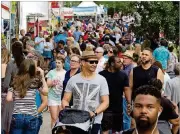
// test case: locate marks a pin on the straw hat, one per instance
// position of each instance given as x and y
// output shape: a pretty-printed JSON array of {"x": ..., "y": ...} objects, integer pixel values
[
  {"x": 70, "y": 39},
  {"x": 88, "y": 53},
  {"x": 129, "y": 55}
]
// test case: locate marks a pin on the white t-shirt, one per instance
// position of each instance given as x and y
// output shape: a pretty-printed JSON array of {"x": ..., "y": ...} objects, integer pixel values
[
  {"x": 166, "y": 78},
  {"x": 118, "y": 36},
  {"x": 50, "y": 46}
]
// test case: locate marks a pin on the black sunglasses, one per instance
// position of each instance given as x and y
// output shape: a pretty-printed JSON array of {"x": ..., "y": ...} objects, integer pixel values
[{"x": 92, "y": 61}]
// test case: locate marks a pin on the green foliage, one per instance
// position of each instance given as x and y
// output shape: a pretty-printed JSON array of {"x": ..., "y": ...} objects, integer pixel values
[
  {"x": 71, "y": 3},
  {"x": 159, "y": 16}
]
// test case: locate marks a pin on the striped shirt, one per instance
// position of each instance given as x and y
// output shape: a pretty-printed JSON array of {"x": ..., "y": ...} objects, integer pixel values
[{"x": 26, "y": 105}]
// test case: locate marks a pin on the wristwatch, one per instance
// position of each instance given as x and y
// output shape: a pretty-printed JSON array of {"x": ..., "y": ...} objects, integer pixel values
[{"x": 95, "y": 113}]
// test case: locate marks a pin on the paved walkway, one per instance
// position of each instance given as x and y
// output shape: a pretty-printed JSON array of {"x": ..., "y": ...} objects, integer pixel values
[{"x": 46, "y": 126}]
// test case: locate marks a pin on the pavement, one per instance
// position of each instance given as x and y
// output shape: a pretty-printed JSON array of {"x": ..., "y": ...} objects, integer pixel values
[{"x": 46, "y": 126}]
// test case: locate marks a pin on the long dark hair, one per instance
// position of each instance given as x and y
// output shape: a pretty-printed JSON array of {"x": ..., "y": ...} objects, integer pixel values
[
  {"x": 17, "y": 51},
  {"x": 111, "y": 63},
  {"x": 22, "y": 81}
]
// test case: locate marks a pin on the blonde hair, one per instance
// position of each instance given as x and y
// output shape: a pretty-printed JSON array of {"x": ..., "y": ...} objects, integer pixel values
[{"x": 5, "y": 56}]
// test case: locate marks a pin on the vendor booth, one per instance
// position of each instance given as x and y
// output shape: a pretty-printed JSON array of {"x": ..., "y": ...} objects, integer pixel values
[{"x": 90, "y": 9}]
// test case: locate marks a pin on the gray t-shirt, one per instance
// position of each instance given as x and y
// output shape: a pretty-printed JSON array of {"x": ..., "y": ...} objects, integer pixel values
[
  {"x": 87, "y": 93},
  {"x": 172, "y": 89}
]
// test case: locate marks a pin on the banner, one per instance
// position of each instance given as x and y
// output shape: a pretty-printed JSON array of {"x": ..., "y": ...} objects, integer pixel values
[
  {"x": 13, "y": 7},
  {"x": 67, "y": 11},
  {"x": 54, "y": 4}
]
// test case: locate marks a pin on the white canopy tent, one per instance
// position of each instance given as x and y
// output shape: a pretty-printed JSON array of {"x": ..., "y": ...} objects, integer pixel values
[
  {"x": 89, "y": 8},
  {"x": 91, "y": 4}
]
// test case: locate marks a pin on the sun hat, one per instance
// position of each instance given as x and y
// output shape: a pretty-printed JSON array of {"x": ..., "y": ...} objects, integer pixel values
[
  {"x": 127, "y": 54},
  {"x": 70, "y": 39},
  {"x": 88, "y": 53}
]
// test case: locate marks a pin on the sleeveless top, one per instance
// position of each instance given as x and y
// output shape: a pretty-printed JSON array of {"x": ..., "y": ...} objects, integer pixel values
[{"x": 142, "y": 76}]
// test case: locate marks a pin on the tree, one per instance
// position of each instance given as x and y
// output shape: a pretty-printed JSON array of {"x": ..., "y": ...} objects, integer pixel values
[
  {"x": 158, "y": 16},
  {"x": 117, "y": 6}
]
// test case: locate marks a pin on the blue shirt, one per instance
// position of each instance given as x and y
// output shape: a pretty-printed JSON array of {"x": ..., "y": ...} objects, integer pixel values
[
  {"x": 76, "y": 35},
  {"x": 127, "y": 69},
  {"x": 162, "y": 55},
  {"x": 59, "y": 37},
  {"x": 52, "y": 64},
  {"x": 40, "y": 46},
  {"x": 67, "y": 63}
]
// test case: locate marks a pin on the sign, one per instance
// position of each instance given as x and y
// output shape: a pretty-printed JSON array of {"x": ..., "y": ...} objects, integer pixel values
[
  {"x": 67, "y": 12},
  {"x": 85, "y": 9},
  {"x": 54, "y": 4},
  {"x": 13, "y": 7},
  {"x": 5, "y": 5}
]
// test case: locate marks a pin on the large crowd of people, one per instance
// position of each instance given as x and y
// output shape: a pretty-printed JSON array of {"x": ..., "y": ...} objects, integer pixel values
[{"x": 129, "y": 84}]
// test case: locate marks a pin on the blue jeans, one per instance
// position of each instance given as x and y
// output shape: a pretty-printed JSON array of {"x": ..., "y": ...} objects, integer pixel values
[
  {"x": 2, "y": 131},
  {"x": 40, "y": 123},
  {"x": 126, "y": 118},
  {"x": 24, "y": 124}
]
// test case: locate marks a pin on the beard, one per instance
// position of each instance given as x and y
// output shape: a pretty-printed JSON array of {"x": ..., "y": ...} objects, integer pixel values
[
  {"x": 143, "y": 124},
  {"x": 145, "y": 62}
]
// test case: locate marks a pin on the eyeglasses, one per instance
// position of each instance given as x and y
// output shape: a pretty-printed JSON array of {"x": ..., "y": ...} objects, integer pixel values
[
  {"x": 97, "y": 52},
  {"x": 92, "y": 61},
  {"x": 74, "y": 61}
]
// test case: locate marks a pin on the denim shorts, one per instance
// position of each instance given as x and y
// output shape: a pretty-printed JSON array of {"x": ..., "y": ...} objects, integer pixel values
[{"x": 24, "y": 124}]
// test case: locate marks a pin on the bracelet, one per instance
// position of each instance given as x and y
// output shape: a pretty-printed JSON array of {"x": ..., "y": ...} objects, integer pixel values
[{"x": 95, "y": 113}]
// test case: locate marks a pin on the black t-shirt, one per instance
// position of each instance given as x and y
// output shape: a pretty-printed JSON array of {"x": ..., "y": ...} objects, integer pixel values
[
  {"x": 142, "y": 76},
  {"x": 116, "y": 83},
  {"x": 168, "y": 110}
]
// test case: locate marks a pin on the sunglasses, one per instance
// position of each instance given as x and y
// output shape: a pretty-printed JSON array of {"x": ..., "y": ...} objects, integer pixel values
[
  {"x": 97, "y": 52},
  {"x": 92, "y": 61}
]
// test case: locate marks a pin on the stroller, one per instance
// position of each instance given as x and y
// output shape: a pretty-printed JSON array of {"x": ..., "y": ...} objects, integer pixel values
[{"x": 73, "y": 121}]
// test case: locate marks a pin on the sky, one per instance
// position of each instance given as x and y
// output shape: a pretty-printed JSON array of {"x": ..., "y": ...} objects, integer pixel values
[{"x": 32, "y": 7}]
